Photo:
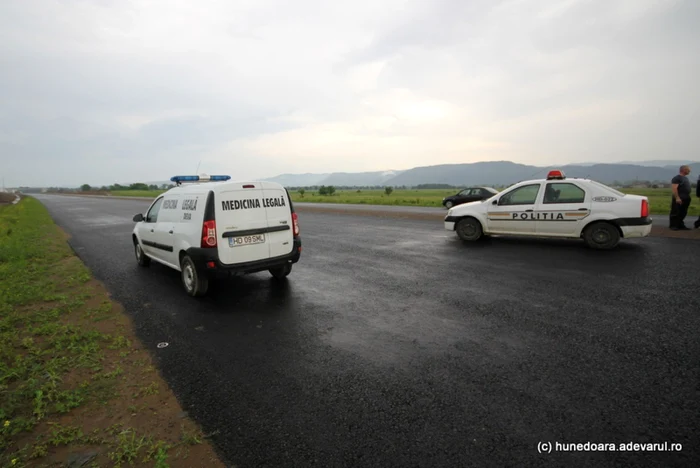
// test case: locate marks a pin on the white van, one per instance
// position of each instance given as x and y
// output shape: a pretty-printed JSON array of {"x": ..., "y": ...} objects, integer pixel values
[{"x": 213, "y": 226}]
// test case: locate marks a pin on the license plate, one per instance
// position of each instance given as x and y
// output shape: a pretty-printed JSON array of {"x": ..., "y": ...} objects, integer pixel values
[{"x": 246, "y": 240}]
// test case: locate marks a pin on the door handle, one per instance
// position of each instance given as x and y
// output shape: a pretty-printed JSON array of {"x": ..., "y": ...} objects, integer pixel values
[
  {"x": 528, "y": 211},
  {"x": 170, "y": 232},
  {"x": 583, "y": 209},
  {"x": 151, "y": 230}
]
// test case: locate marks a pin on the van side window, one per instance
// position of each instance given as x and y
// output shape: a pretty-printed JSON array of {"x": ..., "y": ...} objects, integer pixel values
[
  {"x": 152, "y": 216},
  {"x": 563, "y": 192}
]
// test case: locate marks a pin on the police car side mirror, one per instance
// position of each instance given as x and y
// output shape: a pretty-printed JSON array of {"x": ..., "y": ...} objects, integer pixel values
[{"x": 138, "y": 218}]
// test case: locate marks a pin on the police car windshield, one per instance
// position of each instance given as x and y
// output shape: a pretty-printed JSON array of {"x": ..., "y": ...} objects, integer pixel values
[{"x": 616, "y": 192}]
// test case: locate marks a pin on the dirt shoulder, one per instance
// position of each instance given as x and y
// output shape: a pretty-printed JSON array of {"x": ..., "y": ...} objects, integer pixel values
[{"x": 76, "y": 386}]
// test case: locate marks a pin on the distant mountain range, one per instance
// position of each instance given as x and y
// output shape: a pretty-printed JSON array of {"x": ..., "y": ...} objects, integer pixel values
[{"x": 489, "y": 173}]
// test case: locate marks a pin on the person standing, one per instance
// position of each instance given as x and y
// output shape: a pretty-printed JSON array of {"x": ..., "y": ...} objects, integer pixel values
[{"x": 680, "y": 186}]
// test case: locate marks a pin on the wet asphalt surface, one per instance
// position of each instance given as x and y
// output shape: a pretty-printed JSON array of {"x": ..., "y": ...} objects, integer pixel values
[
  {"x": 392, "y": 344},
  {"x": 438, "y": 213}
]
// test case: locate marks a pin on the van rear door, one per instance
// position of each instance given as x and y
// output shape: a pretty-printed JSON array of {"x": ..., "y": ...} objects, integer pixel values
[
  {"x": 279, "y": 219},
  {"x": 241, "y": 222}
]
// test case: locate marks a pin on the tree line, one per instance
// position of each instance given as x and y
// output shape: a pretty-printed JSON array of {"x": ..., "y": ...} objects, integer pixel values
[{"x": 135, "y": 186}]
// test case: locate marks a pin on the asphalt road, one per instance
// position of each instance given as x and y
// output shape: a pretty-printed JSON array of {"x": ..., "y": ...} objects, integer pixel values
[
  {"x": 392, "y": 344},
  {"x": 438, "y": 213}
]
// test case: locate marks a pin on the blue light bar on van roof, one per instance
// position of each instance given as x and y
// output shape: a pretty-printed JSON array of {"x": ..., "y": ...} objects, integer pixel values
[{"x": 196, "y": 178}]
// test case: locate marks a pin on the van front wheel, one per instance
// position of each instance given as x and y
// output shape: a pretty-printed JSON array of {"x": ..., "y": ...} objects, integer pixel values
[
  {"x": 141, "y": 258},
  {"x": 195, "y": 284},
  {"x": 281, "y": 272}
]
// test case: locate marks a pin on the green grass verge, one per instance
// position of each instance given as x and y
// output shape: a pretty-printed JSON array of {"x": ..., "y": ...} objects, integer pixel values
[
  {"x": 659, "y": 199},
  {"x": 70, "y": 373}
]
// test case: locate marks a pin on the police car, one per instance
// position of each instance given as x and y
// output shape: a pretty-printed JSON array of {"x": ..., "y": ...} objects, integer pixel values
[
  {"x": 209, "y": 225},
  {"x": 555, "y": 207}
]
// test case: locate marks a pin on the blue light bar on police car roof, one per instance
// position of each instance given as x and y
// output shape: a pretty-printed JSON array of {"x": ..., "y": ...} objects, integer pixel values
[{"x": 196, "y": 178}]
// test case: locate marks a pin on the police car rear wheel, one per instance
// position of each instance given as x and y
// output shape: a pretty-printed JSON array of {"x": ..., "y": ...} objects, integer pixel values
[
  {"x": 141, "y": 258},
  {"x": 469, "y": 229},
  {"x": 195, "y": 284},
  {"x": 601, "y": 236}
]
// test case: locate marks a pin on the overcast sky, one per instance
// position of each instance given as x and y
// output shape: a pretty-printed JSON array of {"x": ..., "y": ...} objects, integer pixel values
[{"x": 107, "y": 91}]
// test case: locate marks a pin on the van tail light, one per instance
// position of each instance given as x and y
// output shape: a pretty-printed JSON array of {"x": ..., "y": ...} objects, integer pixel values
[
  {"x": 645, "y": 208},
  {"x": 209, "y": 234},
  {"x": 295, "y": 224}
]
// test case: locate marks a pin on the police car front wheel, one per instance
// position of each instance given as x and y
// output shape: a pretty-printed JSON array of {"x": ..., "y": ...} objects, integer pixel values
[
  {"x": 601, "y": 236},
  {"x": 469, "y": 229}
]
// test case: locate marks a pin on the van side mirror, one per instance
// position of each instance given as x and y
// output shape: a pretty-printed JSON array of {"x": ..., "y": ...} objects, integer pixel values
[{"x": 138, "y": 218}]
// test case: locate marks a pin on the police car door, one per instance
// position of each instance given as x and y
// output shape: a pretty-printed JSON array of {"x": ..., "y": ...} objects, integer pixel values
[
  {"x": 564, "y": 207},
  {"x": 513, "y": 212}
]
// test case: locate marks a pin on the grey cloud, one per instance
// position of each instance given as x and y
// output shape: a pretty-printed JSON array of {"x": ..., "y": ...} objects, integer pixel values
[
  {"x": 428, "y": 26},
  {"x": 79, "y": 103},
  {"x": 598, "y": 55}
]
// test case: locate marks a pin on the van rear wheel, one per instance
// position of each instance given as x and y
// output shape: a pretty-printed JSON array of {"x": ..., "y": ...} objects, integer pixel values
[
  {"x": 195, "y": 284},
  {"x": 281, "y": 272}
]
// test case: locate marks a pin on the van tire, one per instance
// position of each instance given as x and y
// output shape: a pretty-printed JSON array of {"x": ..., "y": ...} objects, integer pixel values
[
  {"x": 281, "y": 272},
  {"x": 141, "y": 258},
  {"x": 195, "y": 284},
  {"x": 601, "y": 236}
]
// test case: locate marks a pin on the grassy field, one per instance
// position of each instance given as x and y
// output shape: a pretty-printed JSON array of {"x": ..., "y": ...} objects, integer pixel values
[
  {"x": 74, "y": 381},
  {"x": 659, "y": 199}
]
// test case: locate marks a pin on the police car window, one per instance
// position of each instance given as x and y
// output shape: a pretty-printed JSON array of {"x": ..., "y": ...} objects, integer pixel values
[
  {"x": 562, "y": 192},
  {"x": 152, "y": 215},
  {"x": 603, "y": 186},
  {"x": 525, "y": 195}
]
